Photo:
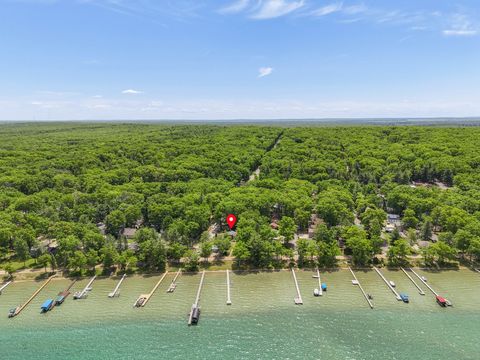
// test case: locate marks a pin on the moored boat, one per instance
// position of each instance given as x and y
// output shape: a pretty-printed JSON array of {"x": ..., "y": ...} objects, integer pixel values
[
  {"x": 424, "y": 279},
  {"x": 140, "y": 301},
  {"x": 324, "y": 287},
  {"x": 392, "y": 284},
  {"x": 441, "y": 301},
  {"x": 47, "y": 305},
  {"x": 404, "y": 298},
  {"x": 12, "y": 312},
  {"x": 61, "y": 296},
  {"x": 195, "y": 315},
  {"x": 316, "y": 292}
]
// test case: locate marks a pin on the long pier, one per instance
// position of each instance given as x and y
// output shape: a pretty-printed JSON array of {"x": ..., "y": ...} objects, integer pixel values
[
  {"x": 116, "y": 291},
  {"x": 144, "y": 298},
  {"x": 320, "y": 291},
  {"x": 229, "y": 299},
  {"x": 83, "y": 294},
  {"x": 62, "y": 295},
  {"x": 361, "y": 288},
  {"x": 298, "y": 299},
  {"x": 173, "y": 284},
  {"x": 19, "y": 309},
  {"x": 420, "y": 290},
  {"x": 388, "y": 284},
  {"x": 424, "y": 282},
  {"x": 195, "y": 310},
  {"x": 4, "y": 286}
]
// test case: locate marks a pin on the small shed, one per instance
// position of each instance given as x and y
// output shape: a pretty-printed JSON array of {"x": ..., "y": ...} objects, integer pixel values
[
  {"x": 102, "y": 228},
  {"x": 393, "y": 219},
  {"x": 129, "y": 233}
]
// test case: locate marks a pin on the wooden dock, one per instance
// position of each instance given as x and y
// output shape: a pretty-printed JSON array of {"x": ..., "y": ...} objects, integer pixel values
[
  {"x": 195, "y": 310},
  {"x": 173, "y": 284},
  {"x": 144, "y": 298},
  {"x": 19, "y": 309},
  {"x": 361, "y": 288},
  {"x": 320, "y": 291},
  {"x": 62, "y": 295},
  {"x": 420, "y": 290},
  {"x": 84, "y": 293},
  {"x": 424, "y": 282},
  {"x": 116, "y": 291},
  {"x": 298, "y": 299},
  {"x": 397, "y": 295},
  {"x": 229, "y": 300},
  {"x": 4, "y": 286}
]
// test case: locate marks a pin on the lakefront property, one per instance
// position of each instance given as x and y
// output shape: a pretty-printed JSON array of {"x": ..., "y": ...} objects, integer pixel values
[
  {"x": 239, "y": 179},
  {"x": 160, "y": 215}
]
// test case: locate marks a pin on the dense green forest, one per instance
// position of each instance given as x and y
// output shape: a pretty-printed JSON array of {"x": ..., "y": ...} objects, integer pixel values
[{"x": 139, "y": 196}]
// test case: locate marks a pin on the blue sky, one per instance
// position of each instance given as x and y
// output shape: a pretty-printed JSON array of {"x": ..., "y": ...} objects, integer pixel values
[{"x": 205, "y": 59}]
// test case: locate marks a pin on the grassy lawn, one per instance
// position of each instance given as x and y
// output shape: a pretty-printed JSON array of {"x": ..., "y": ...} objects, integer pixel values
[{"x": 19, "y": 265}]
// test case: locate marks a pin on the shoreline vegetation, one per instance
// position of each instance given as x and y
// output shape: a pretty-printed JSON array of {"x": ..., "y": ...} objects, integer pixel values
[
  {"x": 112, "y": 198},
  {"x": 60, "y": 276}
]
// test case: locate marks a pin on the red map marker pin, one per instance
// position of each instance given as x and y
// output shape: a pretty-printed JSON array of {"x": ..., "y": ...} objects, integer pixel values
[{"x": 231, "y": 220}]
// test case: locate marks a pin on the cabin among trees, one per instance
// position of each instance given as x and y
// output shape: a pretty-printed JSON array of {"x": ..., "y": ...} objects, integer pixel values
[{"x": 357, "y": 188}]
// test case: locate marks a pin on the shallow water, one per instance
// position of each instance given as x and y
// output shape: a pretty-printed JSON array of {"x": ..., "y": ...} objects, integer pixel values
[{"x": 261, "y": 323}]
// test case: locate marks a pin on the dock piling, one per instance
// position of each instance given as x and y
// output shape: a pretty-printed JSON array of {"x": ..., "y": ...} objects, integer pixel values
[
  {"x": 298, "y": 299},
  {"x": 144, "y": 298},
  {"x": 173, "y": 284},
  {"x": 388, "y": 284},
  {"x": 116, "y": 291},
  {"x": 19, "y": 309},
  {"x": 320, "y": 290},
  {"x": 424, "y": 282},
  {"x": 361, "y": 288},
  {"x": 83, "y": 294},
  {"x": 420, "y": 290},
  {"x": 229, "y": 300},
  {"x": 4, "y": 286},
  {"x": 195, "y": 310}
]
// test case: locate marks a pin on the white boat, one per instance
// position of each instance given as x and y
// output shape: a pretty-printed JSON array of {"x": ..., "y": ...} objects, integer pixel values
[
  {"x": 315, "y": 276},
  {"x": 80, "y": 295},
  {"x": 114, "y": 294},
  {"x": 316, "y": 292},
  {"x": 424, "y": 279},
  {"x": 448, "y": 302},
  {"x": 392, "y": 284},
  {"x": 354, "y": 282}
]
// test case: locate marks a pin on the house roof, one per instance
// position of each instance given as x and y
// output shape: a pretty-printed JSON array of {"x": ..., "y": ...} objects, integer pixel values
[{"x": 129, "y": 231}]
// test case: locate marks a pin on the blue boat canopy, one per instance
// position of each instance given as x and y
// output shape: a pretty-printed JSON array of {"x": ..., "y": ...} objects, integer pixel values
[
  {"x": 46, "y": 304},
  {"x": 324, "y": 286}
]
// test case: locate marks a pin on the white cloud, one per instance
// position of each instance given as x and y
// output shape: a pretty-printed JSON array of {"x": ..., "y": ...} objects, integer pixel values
[
  {"x": 354, "y": 9},
  {"x": 328, "y": 9},
  {"x": 275, "y": 8},
  {"x": 460, "y": 32},
  {"x": 132, "y": 92},
  {"x": 235, "y": 7},
  {"x": 460, "y": 25},
  {"x": 264, "y": 71},
  {"x": 100, "y": 106}
]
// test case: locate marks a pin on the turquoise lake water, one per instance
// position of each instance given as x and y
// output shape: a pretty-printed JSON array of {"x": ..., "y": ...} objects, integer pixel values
[{"x": 261, "y": 323}]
